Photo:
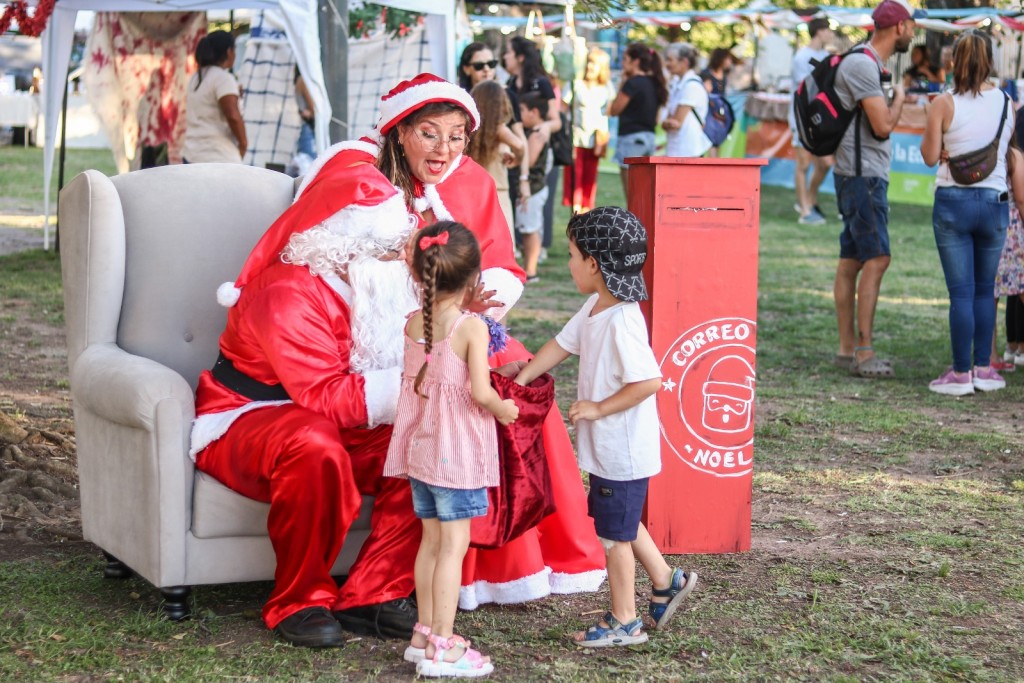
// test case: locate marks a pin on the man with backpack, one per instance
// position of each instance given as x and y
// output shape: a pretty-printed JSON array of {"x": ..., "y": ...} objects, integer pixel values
[
  {"x": 807, "y": 190},
  {"x": 861, "y": 175}
]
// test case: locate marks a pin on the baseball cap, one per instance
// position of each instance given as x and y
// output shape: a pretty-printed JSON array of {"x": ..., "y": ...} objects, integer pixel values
[
  {"x": 618, "y": 242},
  {"x": 891, "y": 12}
]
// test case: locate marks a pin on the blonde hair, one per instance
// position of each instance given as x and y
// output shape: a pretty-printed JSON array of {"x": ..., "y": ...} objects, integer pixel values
[{"x": 603, "y": 60}]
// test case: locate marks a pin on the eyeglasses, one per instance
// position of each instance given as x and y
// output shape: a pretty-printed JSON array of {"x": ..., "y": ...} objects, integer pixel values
[
  {"x": 431, "y": 142},
  {"x": 480, "y": 66}
]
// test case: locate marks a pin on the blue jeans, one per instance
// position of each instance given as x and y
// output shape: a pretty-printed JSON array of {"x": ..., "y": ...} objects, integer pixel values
[
  {"x": 306, "y": 141},
  {"x": 970, "y": 228},
  {"x": 447, "y": 504}
]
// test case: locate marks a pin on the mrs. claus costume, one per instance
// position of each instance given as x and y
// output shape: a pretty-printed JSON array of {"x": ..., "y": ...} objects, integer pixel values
[
  {"x": 343, "y": 188},
  {"x": 562, "y": 554}
]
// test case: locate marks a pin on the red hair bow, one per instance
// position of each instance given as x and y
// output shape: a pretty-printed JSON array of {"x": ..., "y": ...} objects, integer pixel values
[{"x": 427, "y": 241}]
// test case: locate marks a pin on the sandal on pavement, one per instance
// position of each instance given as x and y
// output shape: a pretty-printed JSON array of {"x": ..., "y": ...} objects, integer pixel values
[
  {"x": 412, "y": 653},
  {"x": 470, "y": 665},
  {"x": 679, "y": 587},
  {"x": 615, "y": 633}
]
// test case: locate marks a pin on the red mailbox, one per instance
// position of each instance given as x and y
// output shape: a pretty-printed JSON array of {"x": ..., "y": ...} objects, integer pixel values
[{"x": 702, "y": 219}]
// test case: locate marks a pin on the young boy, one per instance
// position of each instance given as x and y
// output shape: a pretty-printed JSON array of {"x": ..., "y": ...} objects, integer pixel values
[
  {"x": 617, "y": 436},
  {"x": 530, "y": 216}
]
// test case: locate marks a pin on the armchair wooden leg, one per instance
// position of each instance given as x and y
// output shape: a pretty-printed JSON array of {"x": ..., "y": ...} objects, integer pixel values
[
  {"x": 115, "y": 569},
  {"x": 176, "y": 605}
]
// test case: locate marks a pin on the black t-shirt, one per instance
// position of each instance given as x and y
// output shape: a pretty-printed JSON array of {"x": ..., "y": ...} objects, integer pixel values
[
  {"x": 540, "y": 84},
  {"x": 717, "y": 84},
  {"x": 641, "y": 114}
]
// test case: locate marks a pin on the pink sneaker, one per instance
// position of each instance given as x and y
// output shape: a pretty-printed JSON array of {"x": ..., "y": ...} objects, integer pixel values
[
  {"x": 952, "y": 383},
  {"x": 987, "y": 379}
]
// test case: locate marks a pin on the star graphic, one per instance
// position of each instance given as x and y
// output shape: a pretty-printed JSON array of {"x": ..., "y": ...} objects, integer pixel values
[{"x": 669, "y": 385}]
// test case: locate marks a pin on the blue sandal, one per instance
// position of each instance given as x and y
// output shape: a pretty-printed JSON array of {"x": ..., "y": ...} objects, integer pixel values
[
  {"x": 616, "y": 633},
  {"x": 679, "y": 587}
]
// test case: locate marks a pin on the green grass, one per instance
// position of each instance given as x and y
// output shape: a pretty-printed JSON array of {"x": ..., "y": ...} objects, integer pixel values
[
  {"x": 21, "y": 184},
  {"x": 886, "y": 520}
]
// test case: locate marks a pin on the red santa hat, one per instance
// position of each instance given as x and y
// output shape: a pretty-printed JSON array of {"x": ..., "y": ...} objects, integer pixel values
[
  {"x": 356, "y": 198},
  {"x": 408, "y": 96}
]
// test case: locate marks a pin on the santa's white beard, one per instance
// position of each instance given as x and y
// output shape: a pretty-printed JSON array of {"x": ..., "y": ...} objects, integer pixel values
[
  {"x": 383, "y": 292},
  {"x": 383, "y": 295}
]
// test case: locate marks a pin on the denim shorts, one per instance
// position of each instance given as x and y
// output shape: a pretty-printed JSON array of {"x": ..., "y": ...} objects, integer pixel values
[
  {"x": 634, "y": 145},
  {"x": 864, "y": 203},
  {"x": 616, "y": 507},
  {"x": 445, "y": 504}
]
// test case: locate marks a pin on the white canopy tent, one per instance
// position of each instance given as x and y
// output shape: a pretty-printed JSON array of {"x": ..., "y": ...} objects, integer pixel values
[{"x": 299, "y": 17}]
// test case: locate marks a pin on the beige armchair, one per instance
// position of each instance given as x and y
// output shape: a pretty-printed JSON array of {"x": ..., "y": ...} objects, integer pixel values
[{"x": 142, "y": 255}]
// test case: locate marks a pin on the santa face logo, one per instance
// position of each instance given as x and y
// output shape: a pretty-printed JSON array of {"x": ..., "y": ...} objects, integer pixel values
[{"x": 706, "y": 406}]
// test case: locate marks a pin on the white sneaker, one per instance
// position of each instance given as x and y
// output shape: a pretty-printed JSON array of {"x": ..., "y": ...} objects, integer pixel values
[
  {"x": 987, "y": 379},
  {"x": 1018, "y": 358},
  {"x": 1009, "y": 355}
]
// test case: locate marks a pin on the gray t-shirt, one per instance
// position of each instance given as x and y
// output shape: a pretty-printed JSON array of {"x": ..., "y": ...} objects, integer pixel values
[{"x": 857, "y": 79}]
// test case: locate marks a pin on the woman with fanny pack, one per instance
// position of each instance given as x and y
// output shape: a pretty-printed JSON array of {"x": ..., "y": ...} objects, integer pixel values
[{"x": 971, "y": 209}]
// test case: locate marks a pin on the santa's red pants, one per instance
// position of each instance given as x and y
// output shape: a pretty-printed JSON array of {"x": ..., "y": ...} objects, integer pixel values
[{"x": 314, "y": 478}]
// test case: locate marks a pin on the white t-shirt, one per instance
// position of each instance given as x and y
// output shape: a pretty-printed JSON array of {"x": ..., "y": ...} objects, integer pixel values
[
  {"x": 208, "y": 138},
  {"x": 614, "y": 351},
  {"x": 689, "y": 140}
]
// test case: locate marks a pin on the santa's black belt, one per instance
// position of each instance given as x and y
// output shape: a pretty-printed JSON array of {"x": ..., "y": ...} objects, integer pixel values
[{"x": 225, "y": 372}]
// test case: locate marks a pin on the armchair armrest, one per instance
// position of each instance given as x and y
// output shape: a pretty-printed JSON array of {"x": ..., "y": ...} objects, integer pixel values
[{"x": 126, "y": 389}]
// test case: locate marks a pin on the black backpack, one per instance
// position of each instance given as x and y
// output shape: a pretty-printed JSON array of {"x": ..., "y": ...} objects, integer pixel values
[
  {"x": 561, "y": 143},
  {"x": 821, "y": 119}
]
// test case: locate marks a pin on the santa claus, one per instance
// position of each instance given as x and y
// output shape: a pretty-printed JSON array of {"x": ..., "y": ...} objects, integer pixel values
[{"x": 297, "y": 410}]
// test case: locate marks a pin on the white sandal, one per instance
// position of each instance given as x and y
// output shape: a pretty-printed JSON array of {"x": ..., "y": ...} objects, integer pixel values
[
  {"x": 470, "y": 665},
  {"x": 413, "y": 654}
]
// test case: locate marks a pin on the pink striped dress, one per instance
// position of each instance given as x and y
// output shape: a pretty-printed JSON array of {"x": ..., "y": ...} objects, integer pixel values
[{"x": 446, "y": 439}]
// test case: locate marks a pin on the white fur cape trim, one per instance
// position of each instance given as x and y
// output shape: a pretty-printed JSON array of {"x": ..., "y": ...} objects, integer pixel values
[
  {"x": 382, "y": 388},
  {"x": 532, "y": 587},
  {"x": 208, "y": 428},
  {"x": 431, "y": 198},
  {"x": 507, "y": 288},
  {"x": 584, "y": 582}
]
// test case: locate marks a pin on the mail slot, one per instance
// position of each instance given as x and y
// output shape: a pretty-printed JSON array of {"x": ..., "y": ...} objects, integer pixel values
[{"x": 702, "y": 219}]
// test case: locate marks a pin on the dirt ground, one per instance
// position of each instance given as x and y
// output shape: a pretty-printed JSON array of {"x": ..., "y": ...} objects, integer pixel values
[{"x": 38, "y": 480}]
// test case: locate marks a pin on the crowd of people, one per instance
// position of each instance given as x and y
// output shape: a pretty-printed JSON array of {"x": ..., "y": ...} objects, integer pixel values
[{"x": 969, "y": 135}]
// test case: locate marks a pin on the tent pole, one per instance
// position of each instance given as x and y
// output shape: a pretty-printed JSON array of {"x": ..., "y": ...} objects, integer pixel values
[
  {"x": 334, "y": 56},
  {"x": 60, "y": 171}
]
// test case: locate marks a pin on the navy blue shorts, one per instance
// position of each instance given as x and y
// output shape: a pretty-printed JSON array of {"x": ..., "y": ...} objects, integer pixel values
[
  {"x": 616, "y": 507},
  {"x": 864, "y": 204}
]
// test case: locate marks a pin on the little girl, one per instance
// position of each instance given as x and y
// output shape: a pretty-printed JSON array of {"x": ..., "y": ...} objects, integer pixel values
[{"x": 445, "y": 439}]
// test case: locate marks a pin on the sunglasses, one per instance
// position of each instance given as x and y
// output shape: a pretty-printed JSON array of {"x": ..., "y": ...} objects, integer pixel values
[{"x": 480, "y": 66}]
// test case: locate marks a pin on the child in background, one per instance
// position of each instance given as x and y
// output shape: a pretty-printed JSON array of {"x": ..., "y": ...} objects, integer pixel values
[
  {"x": 445, "y": 440},
  {"x": 530, "y": 216},
  {"x": 617, "y": 436}
]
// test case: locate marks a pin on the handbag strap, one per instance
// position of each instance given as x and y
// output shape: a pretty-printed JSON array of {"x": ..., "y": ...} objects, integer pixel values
[{"x": 1002, "y": 121}]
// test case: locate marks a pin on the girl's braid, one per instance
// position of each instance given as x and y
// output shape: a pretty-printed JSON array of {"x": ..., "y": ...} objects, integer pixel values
[{"x": 429, "y": 292}]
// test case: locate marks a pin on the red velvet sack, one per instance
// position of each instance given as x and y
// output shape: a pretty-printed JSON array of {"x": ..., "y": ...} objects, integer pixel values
[{"x": 523, "y": 497}]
